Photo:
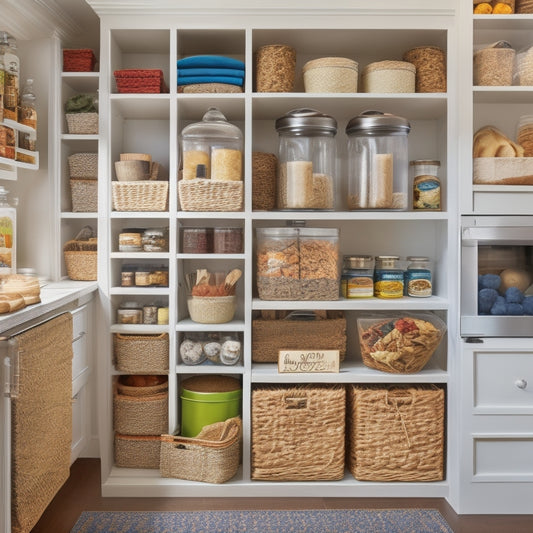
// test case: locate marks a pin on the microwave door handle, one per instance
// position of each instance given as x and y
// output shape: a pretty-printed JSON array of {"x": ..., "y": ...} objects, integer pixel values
[{"x": 472, "y": 236}]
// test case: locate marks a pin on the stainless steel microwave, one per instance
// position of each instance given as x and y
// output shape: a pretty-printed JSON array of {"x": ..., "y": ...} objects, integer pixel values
[{"x": 497, "y": 276}]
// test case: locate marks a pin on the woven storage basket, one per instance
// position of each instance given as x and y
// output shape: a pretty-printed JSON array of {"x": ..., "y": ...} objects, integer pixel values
[
  {"x": 83, "y": 165},
  {"x": 140, "y": 81},
  {"x": 264, "y": 177},
  {"x": 389, "y": 77},
  {"x": 524, "y": 6},
  {"x": 210, "y": 195},
  {"x": 211, "y": 310},
  {"x": 212, "y": 457},
  {"x": 82, "y": 123},
  {"x": 147, "y": 390},
  {"x": 524, "y": 67},
  {"x": 81, "y": 259},
  {"x": 395, "y": 432},
  {"x": 141, "y": 354},
  {"x": 275, "y": 68},
  {"x": 84, "y": 195},
  {"x": 330, "y": 75},
  {"x": 494, "y": 66},
  {"x": 82, "y": 60},
  {"x": 140, "y": 415},
  {"x": 430, "y": 66},
  {"x": 137, "y": 451},
  {"x": 145, "y": 195},
  {"x": 298, "y": 432},
  {"x": 271, "y": 336}
]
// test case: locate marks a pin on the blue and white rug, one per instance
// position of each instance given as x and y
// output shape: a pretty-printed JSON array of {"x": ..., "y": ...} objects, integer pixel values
[{"x": 314, "y": 521}]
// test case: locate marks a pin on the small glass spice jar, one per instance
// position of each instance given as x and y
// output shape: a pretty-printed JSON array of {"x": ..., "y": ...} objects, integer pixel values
[
  {"x": 155, "y": 240},
  {"x": 417, "y": 278},
  {"x": 227, "y": 240},
  {"x": 357, "y": 280},
  {"x": 388, "y": 277},
  {"x": 130, "y": 313},
  {"x": 426, "y": 185},
  {"x": 197, "y": 240}
]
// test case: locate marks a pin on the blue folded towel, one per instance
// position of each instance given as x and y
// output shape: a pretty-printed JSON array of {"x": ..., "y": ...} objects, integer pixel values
[
  {"x": 188, "y": 80},
  {"x": 210, "y": 61},
  {"x": 211, "y": 72}
]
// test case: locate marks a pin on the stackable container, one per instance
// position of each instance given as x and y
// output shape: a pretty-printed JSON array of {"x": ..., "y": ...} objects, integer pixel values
[
  {"x": 377, "y": 161},
  {"x": 306, "y": 172}
]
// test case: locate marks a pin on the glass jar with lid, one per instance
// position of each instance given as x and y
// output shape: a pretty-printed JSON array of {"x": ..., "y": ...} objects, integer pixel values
[
  {"x": 155, "y": 240},
  {"x": 306, "y": 160},
  {"x": 377, "y": 161},
  {"x": 418, "y": 282},
  {"x": 214, "y": 146},
  {"x": 426, "y": 185},
  {"x": 388, "y": 277},
  {"x": 357, "y": 280},
  {"x": 130, "y": 313}
]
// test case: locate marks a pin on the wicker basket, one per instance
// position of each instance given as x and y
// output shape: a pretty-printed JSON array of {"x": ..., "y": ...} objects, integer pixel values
[
  {"x": 141, "y": 354},
  {"x": 81, "y": 259},
  {"x": 147, "y": 390},
  {"x": 264, "y": 177},
  {"x": 330, "y": 75},
  {"x": 140, "y": 415},
  {"x": 82, "y": 123},
  {"x": 82, "y": 60},
  {"x": 210, "y": 195},
  {"x": 298, "y": 432},
  {"x": 140, "y": 81},
  {"x": 271, "y": 336},
  {"x": 524, "y": 6},
  {"x": 212, "y": 457},
  {"x": 395, "y": 432},
  {"x": 84, "y": 195},
  {"x": 275, "y": 68},
  {"x": 494, "y": 66},
  {"x": 83, "y": 165},
  {"x": 137, "y": 451},
  {"x": 145, "y": 195},
  {"x": 430, "y": 66},
  {"x": 211, "y": 310},
  {"x": 524, "y": 67},
  {"x": 389, "y": 77}
]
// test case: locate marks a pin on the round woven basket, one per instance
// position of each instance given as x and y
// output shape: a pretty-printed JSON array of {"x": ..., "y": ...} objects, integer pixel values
[
  {"x": 524, "y": 6},
  {"x": 389, "y": 77},
  {"x": 211, "y": 310},
  {"x": 264, "y": 176},
  {"x": 430, "y": 63},
  {"x": 141, "y": 415},
  {"x": 494, "y": 67},
  {"x": 137, "y": 451},
  {"x": 330, "y": 75},
  {"x": 275, "y": 66},
  {"x": 524, "y": 67},
  {"x": 147, "y": 390}
]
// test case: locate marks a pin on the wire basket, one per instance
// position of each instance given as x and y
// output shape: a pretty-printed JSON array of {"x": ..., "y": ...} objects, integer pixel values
[
  {"x": 140, "y": 81},
  {"x": 82, "y": 123},
  {"x": 395, "y": 432},
  {"x": 142, "y": 354},
  {"x": 210, "y": 195},
  {"x": 211, "y": 457},
  {"x": 137, "y": 451},
  {"x": 83, "y": 165},
  {"x": 82, "y": 60},
  {"x": 142, "y": 195},
  {"x": 84, "y": 195},
  {"x": 298, "y": 432}
]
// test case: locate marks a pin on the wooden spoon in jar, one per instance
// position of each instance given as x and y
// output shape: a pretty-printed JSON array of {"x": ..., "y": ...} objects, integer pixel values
[{"x": 231, "y": 279}]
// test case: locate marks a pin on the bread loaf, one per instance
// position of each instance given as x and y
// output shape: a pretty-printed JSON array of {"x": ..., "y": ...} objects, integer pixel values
[{"x": 490, "y": 142}]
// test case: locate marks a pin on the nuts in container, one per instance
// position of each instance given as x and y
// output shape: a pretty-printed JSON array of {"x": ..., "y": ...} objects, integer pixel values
[{"x": 211, "y": 348}]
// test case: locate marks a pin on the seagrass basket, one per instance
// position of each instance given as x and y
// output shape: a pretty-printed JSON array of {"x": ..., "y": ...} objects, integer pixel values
[
  {"x": 389, "y": 77},
  {"x": 213, "y": 456},
  {"x": 271, "y": 336},
  {"x": 140, "y": 415},
  {"x": 264, "y": 177},
  {"x": 494, "y": 66},
  {"x": 143, "y": 195},
  {"x": 210, "y": 195},
  {"x": 430, "y": 64},
  {"x": 78, "y": 60},
  {"x": 84, "y": 195},
  {"x": 147, "y": 390},
  {"x": 81, "y": 259},
  {"x": 395, "y": 432},
  {"x": 83, "y": 165},
  {"x": 140, "y": 81},
  {"x": 211, "y": 309},
  {"x": 82, "y": 123},
  {"x": 298, "y": 432},
  {"x": 137, "y": 451},
  {"x": 141, "y": 354},
  {"x": 330, "y": 75},
  {"x": 275, "y": 68}
]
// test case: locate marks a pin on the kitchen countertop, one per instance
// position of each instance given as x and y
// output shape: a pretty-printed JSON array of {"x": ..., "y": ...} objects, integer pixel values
[{"x": 55, "y": 297}]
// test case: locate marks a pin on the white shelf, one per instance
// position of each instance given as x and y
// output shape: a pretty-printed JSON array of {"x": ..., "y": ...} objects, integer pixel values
[
  {"x": 189, "y": 325},
  {"x": 139, "y": 291},
  {"x": 145, "y": 329},
  {"x": 209, "y": 368},
  {"x": 78, "y": 137},
  {"x": 349, "y": 215},
  {"x": 139, "y": 255},
  {"x": 139, "y": 214},
  {"x": 81, "y": 82}
]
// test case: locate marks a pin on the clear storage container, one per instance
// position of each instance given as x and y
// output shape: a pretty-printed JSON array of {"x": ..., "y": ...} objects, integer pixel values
[
  {"x": 306, "y": 173},
  {"x": 377, "y": 161}
]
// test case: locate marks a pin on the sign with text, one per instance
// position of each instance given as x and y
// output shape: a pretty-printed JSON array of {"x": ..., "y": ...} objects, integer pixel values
[{"x": 308, "y": 361}]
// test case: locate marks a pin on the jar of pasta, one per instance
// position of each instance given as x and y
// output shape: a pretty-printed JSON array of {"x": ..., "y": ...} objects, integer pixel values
[{"x": 214, "y": 147}]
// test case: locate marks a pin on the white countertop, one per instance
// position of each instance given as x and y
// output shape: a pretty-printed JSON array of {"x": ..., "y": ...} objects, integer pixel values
[{"x": 54, "y": 297}]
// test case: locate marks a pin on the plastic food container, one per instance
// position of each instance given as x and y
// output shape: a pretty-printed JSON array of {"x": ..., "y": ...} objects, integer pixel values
[
  {"x": 377, "y": 161},
  {"x": 197, "y": 240},
  {"x": 330, "y": 75},
  {"x": 227, "y": 240},
  {"x": 306, "y": 158}
]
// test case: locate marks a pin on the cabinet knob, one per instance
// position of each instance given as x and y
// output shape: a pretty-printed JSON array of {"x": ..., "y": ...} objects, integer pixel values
[{"x": 521, "y": 383}]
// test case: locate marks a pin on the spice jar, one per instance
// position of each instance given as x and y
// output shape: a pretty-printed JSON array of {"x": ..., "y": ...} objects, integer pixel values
[
  {"x": 417, "y": 279},
  {"x": 426, "y": 185},
  {"x": 155, "y": 240},
  {"x": 130, "y": 313},
  {"x": 214, "y": 143},
  {"x": 142, "y": 277},
  {"x": 377, "y": 161},
  {"x": 388, "y": 277},
  {"x": 306, "y": 159},
  {"x": 357, "y": 280},
  {"x": 227, "y": 240}
]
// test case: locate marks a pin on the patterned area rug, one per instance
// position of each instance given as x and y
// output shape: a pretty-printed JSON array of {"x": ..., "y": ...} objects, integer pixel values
[{"x": 315, "y": 521}]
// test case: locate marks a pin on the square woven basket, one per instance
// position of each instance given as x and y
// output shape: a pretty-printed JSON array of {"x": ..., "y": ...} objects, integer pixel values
[
  {"x": 137, "y": 451},
  {"x": 83, "y": 165},
  {"x": 140, "y": 81},
  {"x": 395, "y": 432},
  {"x": 82, "y": 123},
  {"x": 298, "y": 432},
  {"x": 210, "y": 195},
  {"x": 142, "y": 354},
  {"x": 80, "y": 60},
  {"x": 140, "y": 415},
  {"x": 84, "y": 195},
  {"x": 144, "y": 195}
]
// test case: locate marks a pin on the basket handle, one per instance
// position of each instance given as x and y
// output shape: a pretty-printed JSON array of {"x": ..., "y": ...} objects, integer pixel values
[
  {"x": 295, "y": 402},
  {"x": 407, "y": 399}
]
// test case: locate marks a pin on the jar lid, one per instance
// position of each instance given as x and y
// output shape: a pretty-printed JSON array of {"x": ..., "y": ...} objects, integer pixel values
[
  {"x": 132, "y": 230},
  {"x": 213, "y": 125},
  {"x": 130, "y": 305},
  {"x": 358, "y": 261},
  {"x": 277, "y": 232},
  {"x": 305, "y": 121},
  {"x": 424, "y": 162},
  {"x": 417, "y": 258},
  {"x": 374, "y": 123},
  {"x": 154, "y": 231},
  {"x": 319, "y": 232}
]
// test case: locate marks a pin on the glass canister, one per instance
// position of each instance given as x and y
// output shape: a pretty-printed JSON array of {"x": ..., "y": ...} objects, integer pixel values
[
  {"x": 417, "y": 279},
  {"x": 306, "y": 160},
  {"x": 357, "y": 280},
  {"x": 388, "y": 277},
  {"x": 215, "y": 143},
  {"x": 426, "y": 185},
  {"x": 377, "y": 161}
]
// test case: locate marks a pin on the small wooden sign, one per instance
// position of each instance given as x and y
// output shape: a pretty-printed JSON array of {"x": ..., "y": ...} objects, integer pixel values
[{"x": 308, "y": 361}]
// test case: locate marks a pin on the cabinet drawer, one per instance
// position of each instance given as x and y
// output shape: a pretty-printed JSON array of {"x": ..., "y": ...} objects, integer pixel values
[
  {"x": 80, "y": 324},
  {"x": 79, "y": 424},
  {"x": 503, "y": 381}
]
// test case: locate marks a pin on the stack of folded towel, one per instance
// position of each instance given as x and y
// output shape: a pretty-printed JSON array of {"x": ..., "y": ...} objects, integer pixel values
[{"x": 210, "y": 73}]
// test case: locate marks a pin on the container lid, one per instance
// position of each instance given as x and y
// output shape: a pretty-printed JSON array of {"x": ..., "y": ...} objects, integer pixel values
[
  {"x": 155, "y": 231},
  {"x": 417, "y": 258},
  {"x": 424, "y": 162},
  {"x": 322, "y": 62},
  {"x": 130, "y": 305},
  {"x": 374, "y": 123},
  {"x": 358, "y": 261},
  {"x": 305, "y": 121},
  {"x": 213, "y": 125},
  {"x": 319, "y": 232},
  {"x": 277, "y": 232},
  {"x": 211, "y": 384}
]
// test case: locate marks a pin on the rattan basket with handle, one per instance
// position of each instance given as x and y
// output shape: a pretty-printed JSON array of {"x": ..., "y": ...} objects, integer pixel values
[{"x": 81, "y": 259}]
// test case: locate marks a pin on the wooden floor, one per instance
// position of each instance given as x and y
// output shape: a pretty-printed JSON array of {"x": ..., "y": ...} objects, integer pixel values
[{"x": 82, "y": 493}]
